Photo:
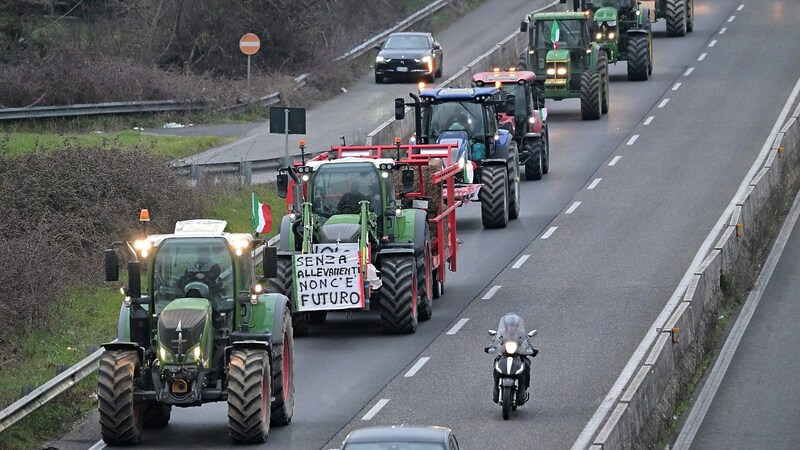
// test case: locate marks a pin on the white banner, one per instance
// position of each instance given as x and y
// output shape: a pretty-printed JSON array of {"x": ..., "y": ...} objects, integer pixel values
[{"x": 328, "y": 280}]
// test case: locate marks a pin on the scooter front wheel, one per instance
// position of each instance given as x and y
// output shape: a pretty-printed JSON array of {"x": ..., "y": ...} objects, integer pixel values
[{"x": 507, "y": 398}]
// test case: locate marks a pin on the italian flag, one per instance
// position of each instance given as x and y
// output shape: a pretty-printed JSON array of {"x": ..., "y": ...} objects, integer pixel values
[
  {"x": 555, "y": 33},
  {"x": 262, "y": 217}
]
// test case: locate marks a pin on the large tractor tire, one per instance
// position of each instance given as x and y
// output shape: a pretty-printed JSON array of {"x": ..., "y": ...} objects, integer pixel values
[
  {"x": 283, "y": 373},
  {"x": 282, "y": 284},
  {"x": 156, "y": 415},
  {"x": 249, "y": 396},
  {"x": 676, "y": 17},
  {"x": 514, "y": 202},
  {"x": 425, "y": 280},
  {"x": 437, "y": 285},
  {"x": 690, "y": 16},
  {"x": 534, "y": 167},
  {"x": 602, "y": 67},
  {"x": 494, "y": 197},
  {"x": 546, "y": 159},
  {"x": 399, "y": 313},
  {"x": 638, "y": 57},
  {"x": 591, "y": 95},
  {"x": 120, "y": 418}
]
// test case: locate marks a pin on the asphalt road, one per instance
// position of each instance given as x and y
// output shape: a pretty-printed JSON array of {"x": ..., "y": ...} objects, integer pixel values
[{"x": 591, "y": 288}]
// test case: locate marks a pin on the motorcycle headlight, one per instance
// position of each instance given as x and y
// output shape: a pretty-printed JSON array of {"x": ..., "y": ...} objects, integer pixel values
[{"x": 510, "y": 347}]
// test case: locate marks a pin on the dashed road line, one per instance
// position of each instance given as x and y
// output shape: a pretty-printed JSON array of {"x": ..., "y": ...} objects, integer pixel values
[
  {"x": 415, "y": 368},
  {"x": 573, "y": 208},
  {"x": 663, "y": 103},
  {"x": 457, "y": 326},
  {"x": 702, "y": 57},
  {"x": 375, "y": 409},
  {"x": 740, "y": 7},
  {"x": 648, "y": 120},
  {"x": 633, "y": 139},
  {"x": 99, "y": 445},
  {"x": 491, "y": 292},
  {"x": 676, "y": 86},
  {"x": 712, "y": 43},
  {"x": 688, "y": 71},
  {"x": 723, "y": 30},
  {"x": 615, "y": 160},
  {"x": 594, "y": 183},
  {"x": 731, "y": 19},
  {"x": 520, "y": 261},
  {"x": 549, "y": 232}
]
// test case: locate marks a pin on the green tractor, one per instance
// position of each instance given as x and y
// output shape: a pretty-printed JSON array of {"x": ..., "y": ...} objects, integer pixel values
[
  {"x": 201, "y": 331},
  {"x": 567, "y": 63},
  {"x": 368, "y": 227},
  {"x": 622, "y": 28},
  {"x": 679, "y": 15}
]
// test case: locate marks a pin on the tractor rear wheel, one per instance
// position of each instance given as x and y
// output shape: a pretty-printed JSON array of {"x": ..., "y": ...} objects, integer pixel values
[
  {"x": 494, "y": 196},
  {"x": 676, "y": 17},
  {"x": 534, "y": 167},
  {"x": 690, "y": 16},
  {"x": 424, "y": 280},
  {"x": 602, "y": 67},
  {"x": 638, "y": 57},
  {"x": 399, "y": 312},
  {"x": 513, "y": 182},
  {"x": 249, "y": 396},
  {"x": 282, "y": 284},
  {"x": 283, "y": 372},
  {"x": 437, "y": 287},
  {"x": 120, "y": 418},
  {"x": 156, "y": 415},
  {"x": 591, "y": 93}
]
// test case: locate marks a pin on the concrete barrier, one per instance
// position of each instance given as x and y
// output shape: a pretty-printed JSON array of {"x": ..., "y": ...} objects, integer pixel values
[{"x": 646, "y": 407}]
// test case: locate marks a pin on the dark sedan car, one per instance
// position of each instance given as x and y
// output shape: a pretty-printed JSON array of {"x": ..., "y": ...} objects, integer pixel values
[
  {"x": 409, "y": 54},
  {"x": 401, "y": 438}
]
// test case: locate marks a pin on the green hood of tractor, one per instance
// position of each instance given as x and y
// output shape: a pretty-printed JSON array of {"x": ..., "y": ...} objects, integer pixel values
[
  {"x": 560, "y": 55},
  {"x": 340, "y": 228},
  {"x": 183, "y": 325},
  {"x": 605, "y": 14}
]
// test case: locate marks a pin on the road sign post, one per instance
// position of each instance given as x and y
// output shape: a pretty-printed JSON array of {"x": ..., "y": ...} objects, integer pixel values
[
  {"x": 287, "y": 121},
  {"x": 249, "y": 44}
]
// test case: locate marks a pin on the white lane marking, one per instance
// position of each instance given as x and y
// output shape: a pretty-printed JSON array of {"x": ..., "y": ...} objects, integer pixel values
[
  {"x": 375, "y": 409},
  {"x": 415, "y": 368},
  {"x": 633, "y": 139},
  {"x": 649, "y": 119},
  {"x": 491, "y": 292},
  {"x": 676, "y": 87},
  {"x": 573, "y": 208},
  {"x": 712, "y": 43},
  {"x": 702, "y": 57},
  {"x": 723, "y": 30},
  {"x": 740, "y": 7},
  {"x": 594, "y": 183},
  {"x": 731, "y": 19},
  {"x": 457, "y": 326},
  {"x": 549, "y": 232},
  {"x": 688, "y": 71},
  {"x": 99, "y": 445},
  {"x": 615, "y": 160},
  {"x": 520, "y": 261},
  {"x": 663, "y": 103},
  {"x": 711, "y": 385},
  {"x": 641, "y": 351}
]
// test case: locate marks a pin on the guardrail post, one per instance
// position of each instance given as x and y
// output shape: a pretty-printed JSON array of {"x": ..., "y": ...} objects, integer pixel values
[
  {"x": 246, "y": 170},
  {"x": 197, "y": 172}
]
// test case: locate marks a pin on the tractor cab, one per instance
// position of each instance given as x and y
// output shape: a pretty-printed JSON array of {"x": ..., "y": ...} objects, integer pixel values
[{"x": 516, "y": 86}]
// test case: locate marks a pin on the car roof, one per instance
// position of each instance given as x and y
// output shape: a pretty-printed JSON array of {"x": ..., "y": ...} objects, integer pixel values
[
  {"x": 410, "y": 33},
  {"x": 399, "y": 433}
]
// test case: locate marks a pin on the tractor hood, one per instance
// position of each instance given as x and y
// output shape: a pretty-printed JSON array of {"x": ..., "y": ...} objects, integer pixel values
[
  {"x": 340, "y": 228},
  {"x": 561, "y": 55},
  {"x": 606, "y": 14},
  {"x": 184, "y": 324}
]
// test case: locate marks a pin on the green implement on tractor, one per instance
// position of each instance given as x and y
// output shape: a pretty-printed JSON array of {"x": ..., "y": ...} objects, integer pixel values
[
  {"x": 196, "y": 327},
  {"x": 622, "y": 29},
  {"x": 567, "y": 63}
]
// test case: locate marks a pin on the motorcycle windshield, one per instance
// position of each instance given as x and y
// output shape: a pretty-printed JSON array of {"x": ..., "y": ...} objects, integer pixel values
[{"x": 506, "y": 332}]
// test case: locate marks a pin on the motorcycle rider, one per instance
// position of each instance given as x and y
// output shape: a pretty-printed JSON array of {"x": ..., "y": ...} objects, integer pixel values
[{"x": 512, "y": 327}]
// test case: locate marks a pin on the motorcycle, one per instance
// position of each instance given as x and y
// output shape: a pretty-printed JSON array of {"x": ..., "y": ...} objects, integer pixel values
[{"x": 512, "y": 365}]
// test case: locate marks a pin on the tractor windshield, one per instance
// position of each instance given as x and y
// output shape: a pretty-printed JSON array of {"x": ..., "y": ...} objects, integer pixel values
[
  {"x": 453, "y": 116},
  {"x": 566, "y": 33},
  {"x": 338, "y": 188},
  {"x": 618, "y": 4},
  {"x": 193, "y": 267}
]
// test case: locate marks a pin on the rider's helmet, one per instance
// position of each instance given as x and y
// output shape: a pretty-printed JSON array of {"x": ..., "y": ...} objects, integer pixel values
[{"x": 511, "y": 324}]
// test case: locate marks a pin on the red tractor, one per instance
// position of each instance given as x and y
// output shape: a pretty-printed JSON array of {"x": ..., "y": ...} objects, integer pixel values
[{"x": 526, "y": 121}]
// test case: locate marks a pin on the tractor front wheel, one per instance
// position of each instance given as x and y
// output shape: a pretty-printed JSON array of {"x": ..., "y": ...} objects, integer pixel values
[
  {"x": 513, "y": 182},
  {"x": 676, "y": 17},
  {"x": 534, "y": 167},
  {"x": 249, "y": 396},
  {"x": 399, "y": 294},
  {"x": 546, "y": 158},
  {"x": 591, "y": 95},
  {"x": 602, "y": 67},
  {"x": 494, "y": 196},
  {"x": 283, "y": 373},
  {"x": 638, "y": 57},
  {"x": 120, "y": 418},
  {"x": 282, "y": 284}
]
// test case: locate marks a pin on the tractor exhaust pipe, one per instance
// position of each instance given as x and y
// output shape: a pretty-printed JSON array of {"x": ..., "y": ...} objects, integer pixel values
[{"x": 418, "y": 119}]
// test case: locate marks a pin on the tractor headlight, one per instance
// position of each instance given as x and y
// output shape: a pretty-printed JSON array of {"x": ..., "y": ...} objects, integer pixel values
[
  {"x": 385, "y": 174},
  {"x": 194, "y": 354},
  {"x": 562, "y": 71},
  {"x": 143, "y": 246},
  {"x": 532, "y": 120},
  {"x": 611, "y": 35},
  {"x": 599, "y": 36},
  {"x": 305, "y": 177},
  {"x": 164, "y": 355},
  {"x": 380, "y": 59},
  {"x": 510, "y": 347},
  {"x": 551, "y": 71}
]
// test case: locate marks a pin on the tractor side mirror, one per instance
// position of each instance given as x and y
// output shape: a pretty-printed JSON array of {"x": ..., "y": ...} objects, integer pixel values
[
  {"x": 134, "y": 279},
  {"x": 523, "y": 27},
  {"x": 511, "y": 104},
  {"x": 269, "y": 262},
  {"x": 408, "y": 180},
  {"x": 112, "y": 264},
  {"x": 399, "y": 109},
  {"x": 492, "y": 332},
  {"x": 282, "y": 184}
]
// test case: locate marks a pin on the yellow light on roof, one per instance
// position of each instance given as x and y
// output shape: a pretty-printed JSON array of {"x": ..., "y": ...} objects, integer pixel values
[
  {"x": 421, "y": 85},
  {"x": 495, "y": 69},
  {"x": 512, "y": 69},
  {"x": 498, "y": 84}
]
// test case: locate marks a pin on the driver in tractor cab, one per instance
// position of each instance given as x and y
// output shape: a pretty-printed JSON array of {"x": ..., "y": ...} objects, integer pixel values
[
  {"x": 205, "y": 270},
  {"x": 459, "y": 121},
  {"x": 349, "y": 203}
]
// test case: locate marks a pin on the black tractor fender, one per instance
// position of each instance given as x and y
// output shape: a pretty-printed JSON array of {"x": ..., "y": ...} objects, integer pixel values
[
  {"x": 637, "y": 31},
  {"x": 277, "y": 320},
  {"x": 124, "y": 346},
  {"x": 251, "y": 342},
  {"x": 394, "y": 251}
]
